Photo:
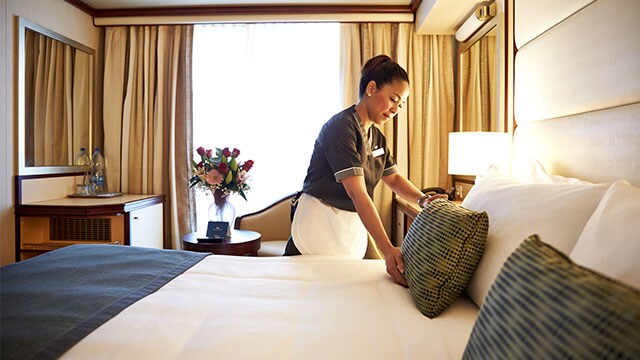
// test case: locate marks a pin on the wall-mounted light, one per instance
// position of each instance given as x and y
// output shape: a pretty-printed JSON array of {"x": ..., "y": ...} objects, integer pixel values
[
  {"x": 479, "y": 17},
  {"x": 472, "y": 152}
]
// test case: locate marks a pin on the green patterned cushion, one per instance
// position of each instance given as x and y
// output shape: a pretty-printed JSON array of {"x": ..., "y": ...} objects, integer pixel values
[
  {"x": 441, "y": 251},
  {"x": 544, "y": 306}
]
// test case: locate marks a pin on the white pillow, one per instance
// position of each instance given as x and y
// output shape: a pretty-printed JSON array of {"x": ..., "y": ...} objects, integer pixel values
[
  {"x": 556, "y": 212},
  {"x": 610, "y": 242},
  {"x": 537, "y": 174}
]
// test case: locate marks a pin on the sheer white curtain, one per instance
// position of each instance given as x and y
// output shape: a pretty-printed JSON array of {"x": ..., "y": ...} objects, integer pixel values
[{"x": 265, "y": 89}]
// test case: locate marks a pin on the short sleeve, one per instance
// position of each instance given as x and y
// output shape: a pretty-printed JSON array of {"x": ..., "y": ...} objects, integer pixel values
[
  {"x": 390, "y": 166},
  {"x": 389, "y": 163},
  {"x": 340, "y": 141}
]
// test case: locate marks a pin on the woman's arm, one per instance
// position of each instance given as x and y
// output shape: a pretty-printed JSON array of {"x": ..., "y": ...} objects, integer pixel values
[
  {"x": 357, "y": 191},
  {"x": 400, "y": 185}
]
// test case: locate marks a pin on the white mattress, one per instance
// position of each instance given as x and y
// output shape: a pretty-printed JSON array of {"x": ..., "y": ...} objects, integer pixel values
[{"x": 307, "y": 307}]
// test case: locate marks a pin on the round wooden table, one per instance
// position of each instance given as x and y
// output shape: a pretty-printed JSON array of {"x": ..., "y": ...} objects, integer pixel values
[{"x": 240, "y": 242}]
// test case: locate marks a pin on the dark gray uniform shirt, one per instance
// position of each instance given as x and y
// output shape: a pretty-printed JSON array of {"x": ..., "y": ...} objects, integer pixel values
[{"x": 343, "y": 149}]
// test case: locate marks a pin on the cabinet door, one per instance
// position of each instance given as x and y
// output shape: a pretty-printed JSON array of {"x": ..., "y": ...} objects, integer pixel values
[{"x": 146, "y": 227}]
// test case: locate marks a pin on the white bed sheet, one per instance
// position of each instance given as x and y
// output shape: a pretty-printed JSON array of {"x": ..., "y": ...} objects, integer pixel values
[{"x": 305, "y": 307}]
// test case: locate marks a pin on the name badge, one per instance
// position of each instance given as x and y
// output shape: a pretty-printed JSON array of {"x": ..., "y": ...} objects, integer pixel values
[{"x": 377, "y": 152}]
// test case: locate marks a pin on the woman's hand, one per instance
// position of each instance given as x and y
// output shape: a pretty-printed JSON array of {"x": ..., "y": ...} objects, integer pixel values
[
  {"x": 395, "y": 265},
  {"x": 428, "y": 200}
]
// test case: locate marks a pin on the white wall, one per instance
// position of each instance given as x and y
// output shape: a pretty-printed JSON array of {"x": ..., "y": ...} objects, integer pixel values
[
  {"x": 444, "y": 17},
  {"x": 63, "y": 18}
]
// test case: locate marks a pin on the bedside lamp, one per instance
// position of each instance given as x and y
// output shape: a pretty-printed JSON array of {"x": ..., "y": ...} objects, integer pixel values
[{"x": 471, "y": 153}]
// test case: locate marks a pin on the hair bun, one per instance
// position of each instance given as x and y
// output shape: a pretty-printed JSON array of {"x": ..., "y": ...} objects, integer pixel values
[
  {"x": 381, "y": 69},
  {"x": 375, "y": 62}
]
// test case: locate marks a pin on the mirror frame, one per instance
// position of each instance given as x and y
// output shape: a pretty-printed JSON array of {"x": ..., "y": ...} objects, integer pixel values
[
  {"x": 493, "y": 23},
  {"x": 22, "y": 26}
]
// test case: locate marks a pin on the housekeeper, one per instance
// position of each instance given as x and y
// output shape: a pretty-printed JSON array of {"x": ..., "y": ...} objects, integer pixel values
[{"x": 335, "y": 209}]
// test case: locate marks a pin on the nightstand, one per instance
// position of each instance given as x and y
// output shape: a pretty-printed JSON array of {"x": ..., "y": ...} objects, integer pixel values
[{"x": 240, "y": 243}]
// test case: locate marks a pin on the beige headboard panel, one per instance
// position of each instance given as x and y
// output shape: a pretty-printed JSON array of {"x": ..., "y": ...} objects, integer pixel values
[
  {"x": 535, "y": 17},
  {"x": 577, "y": 89},
  {"x": 571, "y": 142}
]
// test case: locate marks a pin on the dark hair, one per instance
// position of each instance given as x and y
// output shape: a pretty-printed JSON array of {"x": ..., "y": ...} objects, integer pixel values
[{"x": 383, "y": 70}]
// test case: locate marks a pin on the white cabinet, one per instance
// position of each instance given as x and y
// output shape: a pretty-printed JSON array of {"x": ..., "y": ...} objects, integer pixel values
[{"x": 146, "y": 227}]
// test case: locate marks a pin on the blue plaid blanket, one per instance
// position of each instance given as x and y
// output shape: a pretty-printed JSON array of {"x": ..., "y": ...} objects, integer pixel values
[{"x": 50, "y": 302}]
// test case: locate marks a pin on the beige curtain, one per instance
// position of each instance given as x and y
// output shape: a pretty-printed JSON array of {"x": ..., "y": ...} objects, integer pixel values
[
  {"x": 48, "y": 100},
  {"x": 478, "y": 85},
  {"x": 82, "y": 104},
  {"x": 431, "y": 111},
  {"x": 418, "y": 138},
  {"x": 147, "y": 115}
]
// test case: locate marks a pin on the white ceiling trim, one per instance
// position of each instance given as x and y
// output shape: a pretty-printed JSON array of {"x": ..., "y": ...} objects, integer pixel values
[
  {"x": 255, "y": 18},
  {"x": 128, "y": 4}
]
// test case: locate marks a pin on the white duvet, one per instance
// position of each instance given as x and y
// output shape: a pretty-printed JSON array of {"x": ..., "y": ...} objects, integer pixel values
[{"x": 303, "y": 307}]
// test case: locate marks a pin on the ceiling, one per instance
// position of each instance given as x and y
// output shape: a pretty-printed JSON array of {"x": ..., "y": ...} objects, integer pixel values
[
  {"x": 430, "y": 16},
  {"x": 128, "y": 4}
]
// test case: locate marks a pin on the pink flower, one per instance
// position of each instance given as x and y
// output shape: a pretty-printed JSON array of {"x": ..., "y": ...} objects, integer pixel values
[
  {"x": 242, "y": 177},
  {"x": 214, "y": 177},
  {"x": 220, "y": 170}
]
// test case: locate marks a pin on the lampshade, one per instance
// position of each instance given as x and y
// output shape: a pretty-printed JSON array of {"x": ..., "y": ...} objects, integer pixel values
[
  {"x": 475, "y": 21},
  {"x": 471, "y": 153}
]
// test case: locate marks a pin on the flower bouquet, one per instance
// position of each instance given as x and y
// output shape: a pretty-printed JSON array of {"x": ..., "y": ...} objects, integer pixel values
[{"x": 220, "y": 173}]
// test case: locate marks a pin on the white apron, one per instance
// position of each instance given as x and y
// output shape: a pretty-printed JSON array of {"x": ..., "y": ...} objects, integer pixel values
[{"x": 321, "y": 229}]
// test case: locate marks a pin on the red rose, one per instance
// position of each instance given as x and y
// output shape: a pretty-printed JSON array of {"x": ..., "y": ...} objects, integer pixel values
[
  {"x": 223, "y": 168},
  {"x": 209, "y": 153},
  {"x": 200, "y": 164},
  {"x": 235, "y": 152},
  {"x": 200, "y": 151},
  {"x": 226, "y": 152},
  {"x": 247, "y": 165}
]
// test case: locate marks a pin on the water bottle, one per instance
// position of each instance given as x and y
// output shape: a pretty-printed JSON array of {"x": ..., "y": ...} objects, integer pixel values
[
  {"x": 98, "y": 185},
  {"x": 83, "y": 160}
]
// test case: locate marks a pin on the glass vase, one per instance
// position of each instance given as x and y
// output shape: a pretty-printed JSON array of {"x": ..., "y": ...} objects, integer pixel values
[{"x": 221, "y": 209}]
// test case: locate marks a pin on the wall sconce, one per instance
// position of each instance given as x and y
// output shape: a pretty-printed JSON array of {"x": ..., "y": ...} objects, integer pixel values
[
  {"x": 471, "y": 153},
  {"x": 481, "y": 15}
]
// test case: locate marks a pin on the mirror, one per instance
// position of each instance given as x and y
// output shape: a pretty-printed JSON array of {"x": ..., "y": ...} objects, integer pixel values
[
  {"x": 55, "y": 98},
  {"x": 479, "y": 79}
]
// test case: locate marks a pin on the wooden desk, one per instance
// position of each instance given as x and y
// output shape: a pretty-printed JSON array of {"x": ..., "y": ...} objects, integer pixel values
[
  {"x": 241, "y": 242},
  {"x": 135, "y": 220}
]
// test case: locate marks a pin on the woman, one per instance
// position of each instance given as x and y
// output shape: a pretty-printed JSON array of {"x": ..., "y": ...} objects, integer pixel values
[{"x": 350, "y": 156}]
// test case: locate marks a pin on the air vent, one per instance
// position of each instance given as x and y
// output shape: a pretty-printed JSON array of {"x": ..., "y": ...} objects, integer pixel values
[{"x": 80, "y": 229}]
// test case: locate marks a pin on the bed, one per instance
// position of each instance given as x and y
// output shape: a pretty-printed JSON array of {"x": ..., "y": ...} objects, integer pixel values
[
  {"x": 235, "y": 307},
  {"x": 558, "y": 275}
]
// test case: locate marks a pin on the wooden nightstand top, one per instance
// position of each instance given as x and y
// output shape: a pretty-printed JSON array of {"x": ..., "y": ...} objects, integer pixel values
[
  {"x": 88, "y": 206},
  {"x": 241, "y": 242}
]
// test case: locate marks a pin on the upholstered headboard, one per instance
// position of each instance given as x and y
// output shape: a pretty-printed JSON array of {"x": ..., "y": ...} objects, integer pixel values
[{"x": 577, "y": 88}]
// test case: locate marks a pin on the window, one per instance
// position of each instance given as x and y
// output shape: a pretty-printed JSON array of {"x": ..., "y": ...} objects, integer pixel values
[{"x": 265, "y": 89}]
